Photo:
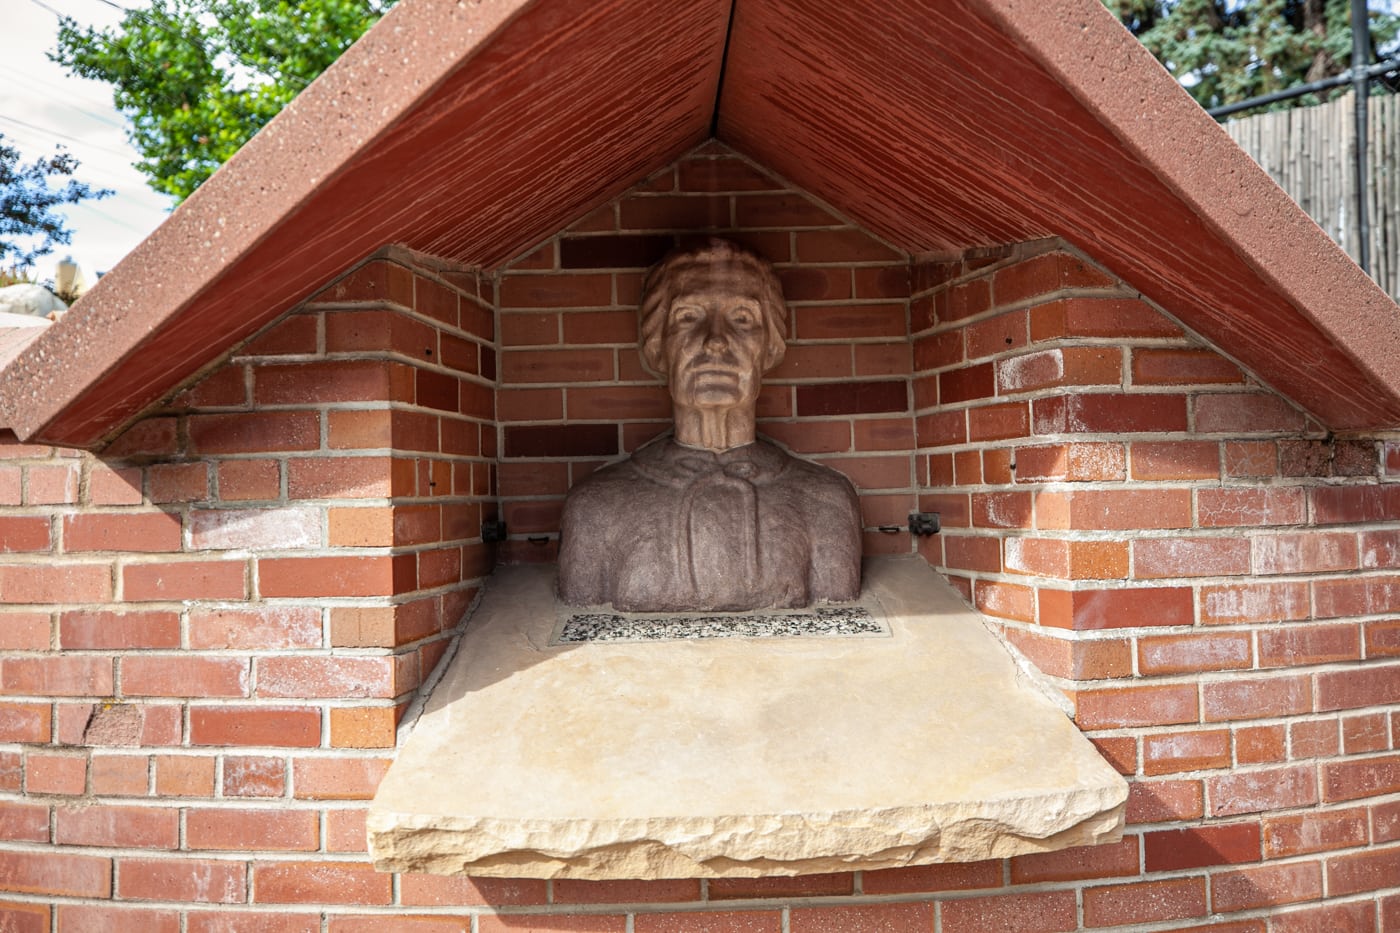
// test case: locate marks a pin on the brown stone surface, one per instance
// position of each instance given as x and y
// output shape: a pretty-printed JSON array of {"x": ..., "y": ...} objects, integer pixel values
[{"x": 472, "y": 131}]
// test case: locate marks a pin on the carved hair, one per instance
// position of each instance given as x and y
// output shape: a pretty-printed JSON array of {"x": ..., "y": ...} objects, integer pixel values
[{"x": 659, "y": 290}]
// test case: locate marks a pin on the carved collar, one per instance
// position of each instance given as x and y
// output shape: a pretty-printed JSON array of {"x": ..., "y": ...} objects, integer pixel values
[{"x": 665, "y": 461}]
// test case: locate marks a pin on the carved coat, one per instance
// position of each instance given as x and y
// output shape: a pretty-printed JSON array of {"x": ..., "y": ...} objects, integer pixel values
[{"x": 679, "y": 528}]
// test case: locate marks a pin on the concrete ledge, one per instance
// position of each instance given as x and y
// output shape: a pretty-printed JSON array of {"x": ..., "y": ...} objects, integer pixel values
[{"x": 735, "y": 757}]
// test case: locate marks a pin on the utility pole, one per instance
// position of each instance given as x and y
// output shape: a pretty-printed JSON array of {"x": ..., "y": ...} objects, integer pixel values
[{"x": 1360, "y": 85}]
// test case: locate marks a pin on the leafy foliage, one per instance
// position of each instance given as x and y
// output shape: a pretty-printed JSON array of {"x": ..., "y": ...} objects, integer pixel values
[
  {"x": 28, "y": 202},
  {"x": 197, "y": 78},
  {"x": 1226, "y": 51}
]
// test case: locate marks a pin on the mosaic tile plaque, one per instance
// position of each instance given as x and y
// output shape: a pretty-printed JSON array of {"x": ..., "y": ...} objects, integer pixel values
[{"x": 823, "y": 621}]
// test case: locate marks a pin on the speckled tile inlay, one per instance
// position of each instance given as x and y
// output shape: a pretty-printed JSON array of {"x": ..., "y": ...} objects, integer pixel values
[{"x": 824, "y": 621}]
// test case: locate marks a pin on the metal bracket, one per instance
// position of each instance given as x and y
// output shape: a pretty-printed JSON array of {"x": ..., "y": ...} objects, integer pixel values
[
  {"x": 923, "y": 523},
  {"x": 492, "y": 532}
]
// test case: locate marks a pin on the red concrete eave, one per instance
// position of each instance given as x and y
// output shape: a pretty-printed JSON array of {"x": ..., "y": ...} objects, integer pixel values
[{"x": 472, "y": 130}]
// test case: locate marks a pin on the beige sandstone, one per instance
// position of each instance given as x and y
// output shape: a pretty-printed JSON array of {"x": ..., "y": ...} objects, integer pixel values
[{"x": 737, "y": 757}]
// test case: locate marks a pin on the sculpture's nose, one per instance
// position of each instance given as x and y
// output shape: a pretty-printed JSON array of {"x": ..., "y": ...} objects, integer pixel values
[{"x": 716, "y": 332}]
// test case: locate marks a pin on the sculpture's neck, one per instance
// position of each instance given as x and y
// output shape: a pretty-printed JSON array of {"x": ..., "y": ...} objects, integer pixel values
[{"x": 714, "y": 429}]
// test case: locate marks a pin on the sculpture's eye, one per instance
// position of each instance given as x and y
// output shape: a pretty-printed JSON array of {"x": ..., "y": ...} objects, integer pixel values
[
  {"x": 744, "y": 316},
  {"x": 685, "y": 314}
]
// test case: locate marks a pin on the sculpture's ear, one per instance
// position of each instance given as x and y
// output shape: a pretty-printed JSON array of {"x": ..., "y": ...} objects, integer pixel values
[
  {"x": 774, "y": 352},
  {"x": 653, "y": 357}
]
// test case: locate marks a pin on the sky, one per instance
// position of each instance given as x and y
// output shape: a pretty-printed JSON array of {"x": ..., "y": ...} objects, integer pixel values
[{"x": 40, "y": 105}]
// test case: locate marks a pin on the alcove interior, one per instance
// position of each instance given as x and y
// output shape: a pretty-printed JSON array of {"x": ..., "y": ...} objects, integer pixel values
[{"x": 944, "y": 130}]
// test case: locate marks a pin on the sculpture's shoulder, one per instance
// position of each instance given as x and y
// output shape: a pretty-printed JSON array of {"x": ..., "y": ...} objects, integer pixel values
[{"x": 816, "y": 480}]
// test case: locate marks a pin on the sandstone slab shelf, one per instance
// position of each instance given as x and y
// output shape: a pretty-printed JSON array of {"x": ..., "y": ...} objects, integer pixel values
[{"x": 736, "y": 757}]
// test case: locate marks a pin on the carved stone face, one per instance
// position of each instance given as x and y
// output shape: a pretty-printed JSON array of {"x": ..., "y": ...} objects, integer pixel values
[{"x": 715, "y": 337}]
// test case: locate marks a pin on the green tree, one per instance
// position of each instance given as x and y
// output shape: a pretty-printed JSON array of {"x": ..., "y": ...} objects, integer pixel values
[
  {"x": 30, "y": 225},
  {"x": 1225, "y": 51},
  {"x": 197, "y": 78}
]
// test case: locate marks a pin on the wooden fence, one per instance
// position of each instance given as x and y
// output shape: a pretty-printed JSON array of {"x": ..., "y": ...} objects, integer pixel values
[{"x": 1310, "y": 152}]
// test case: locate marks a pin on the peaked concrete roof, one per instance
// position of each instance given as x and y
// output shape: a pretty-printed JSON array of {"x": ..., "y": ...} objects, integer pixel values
[{"x": 472, "y": 130}]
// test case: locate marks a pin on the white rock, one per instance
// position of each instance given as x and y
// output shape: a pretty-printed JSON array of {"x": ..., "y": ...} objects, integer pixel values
[
  {"x": 29, "y": 299},
  {"x": 732, "y": 757}
]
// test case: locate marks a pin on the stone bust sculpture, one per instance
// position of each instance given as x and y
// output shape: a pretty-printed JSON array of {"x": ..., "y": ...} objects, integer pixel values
[{"x": 711, "y": 517}]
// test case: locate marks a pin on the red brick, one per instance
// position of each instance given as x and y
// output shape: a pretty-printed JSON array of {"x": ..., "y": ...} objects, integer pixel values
[
  {"x": 1355, "y": 504},
  {"x": 25, "y": 631},
  {"x": 263, "y": 628},
  {"x": 1001, "y": 509},
  {"x": 1171, "y": 460},
  {"x": 27, "y": 533},
  {"x": 297, "y": 727},
  {"x": 1246, "y": 507},
  {"x": 1251, "y": 458},
  {"x": 801, "y": 886},
  {"x": 1136, "y": 706},
  {"x": 1044, "y": 274},
  {"x": 320, "y": 883},
  {"x": 996, "y": 335},
  {"x": 1156, "y": 558},
  {"x": 1042, "y": 912},
  {"x": 52, "y": 484},
  {"x": 24, "y": 822},
  {"x": 1356, "y": 596},
  {"x": 806, "y": 362},
  {"x": 1060, "y": 366},
  {"x": 1177, "y": 654},
  {"x": 1383, "y": 639},
  {"x": 1145, "y": 902},
  {"x": 25, "y": 918},
  {"x": 1265, "y": 886},
  {"x": 244, "y": 480},
  {"x": 184, "y": 676},
  {"x": 535, "y": 923},
  {"x": 1171, "y": 366},
  {"x": 112, "y": 825},
  {"x": 224, "y": 828},
  {"x": 1174, "y": 849},
  {"x": 736, "y": 921},
  {"x": 326, "y": 677},
  {"x": 966, "y": 384},
  {"x": 201, "y": 880},
  {"x": 1313, "y": 738},
  {"x": 417, "y": 889},
  {"x": 120, "y": 775},
  {"x": 1098, "y": 317},
  {"x": 1365, "y": 733},
  {"x": 254, "y": 776},
  {"x": 938, "y": 351},
  {"x": 179, "y": 482},
  {"x": 1296, "y": 645},
  {"x": 1005, "y": 600},
  {"x": 184, "y": 775},
  {"x": 122, "y": 531},
  {"x": 722, "y": 174},
  {"x": 337, "y": 778},
  {"x": 850, "y": 398},
  {"x": 363, "y": 727},
  {"x": 1363, "y": 871},
  {"x": 1253, "y": 603},
  {"x": 1260, "y": 744},
  {"x": 38, "y": 872},
  {"x": 55, "y": 774},
  {"x": 941, "y": 428},
  {"x": 1170, "y": 752},
  {"x": 293, "y": 335},
  {"x": 148, "y": 437},
  {"x": 1070, "y": 463},
  {"x": 1256, "y": 698},
  {"x": 1380, "y": 549},
  {"x": 1114, "y": 509},
  {"x": 342, "y": 478},
  {"x": 553, "y": 441},
  {"x": 1359, "y": 778},
  {"x": 25, "y": 722},
  {"x": 998, "y": 422},
  {"x": 570, "y": 891},
  {"x": 1304, "y": 553},
  {"x": 618, "y": 403},
  {"x": 1099, "y": 659},
  {"x": 184, "y": 580},
  {"x": 1091, "y": 610},
  {"x": 406, "y": 923},
  {"x": 1113, "y": 860},
  {"x": 1108, "y": 414},
  {"x": 1356, "y": 917},
  {"x": 1256, "y": 791},
  {"x": 964, "y": 552},
  {"x": 888, "y": 918},
  {"x": 52, "y": 675},
  {"x": 839, "y": 246},
  {"x": 92, "y": 918},
  {"x": 575, "y": 290},
  {"x": 1246, "y": 413},
  {"x": 55, "y": 583},
  {"x": 951, "y": 876},
  {"x": 330, "y": 576},
  {"x": 254, "y": 432}
]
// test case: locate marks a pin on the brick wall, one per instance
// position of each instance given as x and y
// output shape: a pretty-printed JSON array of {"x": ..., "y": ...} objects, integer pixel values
[
  {"x": 573, "y": 392},
  {"x": 210, "y": 629}
]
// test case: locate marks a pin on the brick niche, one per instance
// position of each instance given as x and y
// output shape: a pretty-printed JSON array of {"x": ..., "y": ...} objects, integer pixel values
[{"x": 211, "y": 628}]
